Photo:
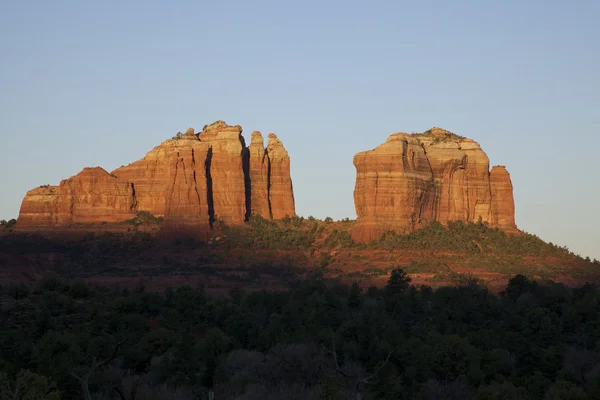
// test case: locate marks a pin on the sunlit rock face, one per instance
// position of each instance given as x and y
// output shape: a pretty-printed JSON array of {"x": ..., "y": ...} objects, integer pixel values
[
  {"x": 91, "y": 196},
  {"x": 281, "y": 192},
  {"x": 394, "y": 188},
  {"x": 414, "y": 179},
  {"x": 259, "y": 167},
  {"x": 191, "y": 180},
  {"x": 503, "y": 203}
]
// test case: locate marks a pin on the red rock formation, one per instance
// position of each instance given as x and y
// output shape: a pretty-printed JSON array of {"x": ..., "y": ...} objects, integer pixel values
[
  {"x": 281, "y": 192},
  {"x": 187, "y": 206},
  {"x": 91, "y": 196},
  {"x": 151, "y": 175},
  {"x": 448, "y": 170},
  {"x": 227, "y": 173},
  {"x": 412, "y": 180},
  {"x": 461, "y": 172},
  {"x": 503, "y": 203},
  {"x": 94, "y": 196},
  {"x": 478, "y": 189},
  {"x": 40, "y": 207},
  {"x": 259, "y": 177},
  {"x": 394, "y": 188},
  {"x": 188, "y": 179}
]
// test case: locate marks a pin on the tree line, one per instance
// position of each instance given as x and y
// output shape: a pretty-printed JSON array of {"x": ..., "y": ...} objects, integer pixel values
[{"x": 320, "y": 339}]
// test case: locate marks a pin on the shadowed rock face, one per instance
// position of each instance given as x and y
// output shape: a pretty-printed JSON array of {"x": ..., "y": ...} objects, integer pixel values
[
  {"x": 190, "y": 180},
  {"x": 413, "y": 180}
]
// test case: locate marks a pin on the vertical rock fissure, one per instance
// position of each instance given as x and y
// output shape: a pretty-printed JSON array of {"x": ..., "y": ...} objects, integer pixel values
[
  {"x": 469, "y": 217},
  {"x": 376, "y": 186},
  {"x": 433, "y": 188},
  {"x": 247, "y": 181},
  {"x": 71, "y": 204},
  {"x": 269, "y": 182},
  {"x": 196, "y": 188},
  {"x": 209, "y": 188},
  {"x": 169, "y": 202},
  {"x": 465, "y": 165},
  {"x": 491, "y": 211},
  {"x": 134, "y": 202},
  {"x": 194, "y": 176}
]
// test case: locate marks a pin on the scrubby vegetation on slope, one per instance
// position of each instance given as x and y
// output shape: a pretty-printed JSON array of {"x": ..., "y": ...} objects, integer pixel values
[{"x": 462, "y": 244}]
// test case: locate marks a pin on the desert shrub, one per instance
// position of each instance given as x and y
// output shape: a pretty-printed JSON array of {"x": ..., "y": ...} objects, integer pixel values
[
  {"x": 474, "y": 238},
  {"x": 267, "y": 234},
  {"x": 338, "y": 238},
  {"x": 8, "y": 224},
  {"x": 144, "y": 218}
]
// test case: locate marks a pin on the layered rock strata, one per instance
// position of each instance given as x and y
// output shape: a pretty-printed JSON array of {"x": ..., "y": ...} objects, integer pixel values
[
  {"x": 259, "y": 174},
  {"x": 191, "y": 180},
  {"x": 414, "y": 179},
  {"x": 502, "y": 211},
  {"x": 91, "y": 196},
  {"x": 281, "y": 196}
]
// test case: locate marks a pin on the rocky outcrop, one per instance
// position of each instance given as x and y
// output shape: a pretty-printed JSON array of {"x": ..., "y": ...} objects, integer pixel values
[
  {"x": 258, "y": 166},
  {"x": 503, "y": 204},
  {"x": 227, "y": 174},
  {"x": 94, "y": 196},
  {"x": 190, "y": 179},
  {"x": 393, "y": 188},
  {"x": 414, "y": 179},
  {"x": 151, "y": 175},
  {"x": 39, "y": 207},
  {"x": 91, "y": 196},
  {"x": 187, "y": 203},
  {"x": 281, "y": 192}
]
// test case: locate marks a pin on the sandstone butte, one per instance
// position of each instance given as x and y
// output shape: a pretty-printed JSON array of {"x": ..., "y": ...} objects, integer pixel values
[
  {"x": 191, "y": 180},
  {"x": 414, "y": 179}
]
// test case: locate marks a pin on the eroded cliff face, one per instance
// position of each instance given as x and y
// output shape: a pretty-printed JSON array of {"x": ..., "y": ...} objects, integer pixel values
[
  {"x": 227, "y": 173},
  {"x": 415, "y": 179},
  {"x": 258, "y": 165},
  {"x": 281, "y": 192},
  {"x": 190, "y": 180},
  {"x": 503, "y": 203},
  {"x": 91, "y": 196},
  {"x": 39, "y": 207},
  {"x": 186, "y": 199},
  {"x": 393, "y": 188}
]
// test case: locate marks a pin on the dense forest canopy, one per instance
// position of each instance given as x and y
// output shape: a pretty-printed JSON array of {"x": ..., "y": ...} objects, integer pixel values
[{"x": 318, "y": 340}]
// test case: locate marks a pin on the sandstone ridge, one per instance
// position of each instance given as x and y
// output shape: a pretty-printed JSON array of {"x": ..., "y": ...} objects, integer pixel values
[
  {"x": 191, "y": 180},
  {"x": 412, "y": 180}
]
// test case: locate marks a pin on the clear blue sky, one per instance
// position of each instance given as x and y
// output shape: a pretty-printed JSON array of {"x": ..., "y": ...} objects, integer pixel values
[{"x": 86, "y": 83}]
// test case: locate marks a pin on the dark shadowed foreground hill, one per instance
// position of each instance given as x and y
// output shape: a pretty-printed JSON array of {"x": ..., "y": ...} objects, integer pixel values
[{"x": 65, "y": 339}]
